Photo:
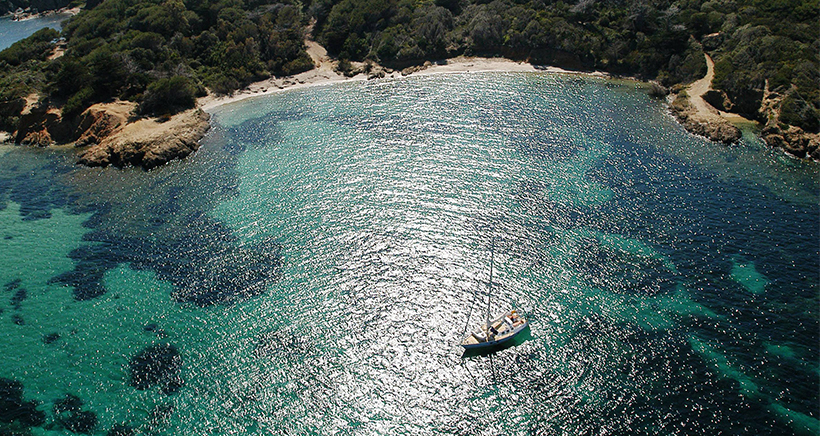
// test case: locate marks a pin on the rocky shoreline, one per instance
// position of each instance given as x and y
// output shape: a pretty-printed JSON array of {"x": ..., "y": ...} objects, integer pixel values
[
  {"x": 115, "y": 136},
  {"x": 691, "y": 109},
  {"x": 703, "y": 111},
  {"x": 48, "y": 9},
  {"x": 714, "y": 128},
  {"x": 146, "y": 143},
  {"x": 791, "y": 139}
]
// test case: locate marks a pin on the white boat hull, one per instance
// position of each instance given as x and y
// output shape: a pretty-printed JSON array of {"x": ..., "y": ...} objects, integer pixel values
[
  {"x": 472, "y": 341},
  {"x": 497, "y": 342}
]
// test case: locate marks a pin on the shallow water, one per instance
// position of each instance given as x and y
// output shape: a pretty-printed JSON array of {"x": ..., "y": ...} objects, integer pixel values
[
  {"x": 13, "y": 31},
  {"x": 314, "y": 266}
]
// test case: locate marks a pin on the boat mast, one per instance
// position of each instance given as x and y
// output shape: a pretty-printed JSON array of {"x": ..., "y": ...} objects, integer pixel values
[{"x": 490, "y": 291}]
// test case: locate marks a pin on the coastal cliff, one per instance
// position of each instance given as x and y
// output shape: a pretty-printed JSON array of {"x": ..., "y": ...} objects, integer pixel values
[
  {"x": 145, "y": 143},
  {"x": 791, "y": 139},
  {"x": 114, "y": 135}
]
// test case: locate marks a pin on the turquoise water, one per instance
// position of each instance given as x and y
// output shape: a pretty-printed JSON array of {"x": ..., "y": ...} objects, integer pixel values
[
  {"x": 312, "y": 268},
  {"x": 13, "y": 31}
]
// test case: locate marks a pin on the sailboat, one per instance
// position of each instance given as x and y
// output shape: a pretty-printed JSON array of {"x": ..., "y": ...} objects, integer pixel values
[{"x": 498, "y": 331}]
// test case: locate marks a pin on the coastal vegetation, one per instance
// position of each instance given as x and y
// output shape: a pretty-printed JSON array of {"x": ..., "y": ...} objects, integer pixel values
[
  {"x": 162, "y": 54},
  {"x": 23, "y": 72},
  {"x": 754, "y": 42}
]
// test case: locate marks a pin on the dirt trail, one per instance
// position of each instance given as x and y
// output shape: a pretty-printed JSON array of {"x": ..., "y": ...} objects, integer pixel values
[
  {"x": 700, "y": 87},
  {"x": 318, "y": 54},
  {"x": 699, "y": 117}
]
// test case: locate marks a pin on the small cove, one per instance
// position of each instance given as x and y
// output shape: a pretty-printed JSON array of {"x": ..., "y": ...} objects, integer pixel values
[
  {"x": 13, "y": 31},
  {"x": 316, "y": 261}
]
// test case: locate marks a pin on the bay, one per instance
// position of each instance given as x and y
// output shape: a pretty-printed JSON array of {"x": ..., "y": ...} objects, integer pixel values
[
  {"x": 12, "y": 31},
  {"x": 311, "y": 269}
]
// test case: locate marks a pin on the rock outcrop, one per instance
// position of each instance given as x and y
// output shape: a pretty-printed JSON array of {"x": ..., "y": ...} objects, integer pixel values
[
  {"x": 157, "y": 364},
  {"x": 41, "y": 125},
  {"x": 100, "y": 121},
  {"x": 695, "y": 114},
  {"x": 791, "y": 139},
  {"x": 713, "y": 127},
  {"x": 148, "y": 143},
  {"x": 112, "y": 135}
]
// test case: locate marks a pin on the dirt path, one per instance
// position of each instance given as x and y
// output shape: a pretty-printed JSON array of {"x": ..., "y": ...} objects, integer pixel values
[
  {"x": 702, "y": 108},
  {"x": 318, "y": 54},
  {"x": 698, "y": 88}
]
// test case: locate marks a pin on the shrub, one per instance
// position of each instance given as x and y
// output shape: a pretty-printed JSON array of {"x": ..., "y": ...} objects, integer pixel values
[
  {"x": 37, "y": 46},
  {"x": 170, "y": 95},
  {"x": 78, "y": 102},
  {"x": 797, "y": 111},
  {"x": 221, "y": 84},
  {"x": 298, "y": 65},
  {"x": 345, "y": 67}
]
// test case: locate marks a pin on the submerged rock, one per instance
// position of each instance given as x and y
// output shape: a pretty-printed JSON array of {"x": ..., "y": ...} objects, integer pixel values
[
  {"x": 157, "y": 365},
  {"x": 203, "y": 260},
  {"x": 12, "y": 285},
  {"x": 13, "y": 409},
  {"x": 80, "y": 422},
  {"x": 613, "y": 269},
  {"x": 68, "y": 413},
  {"x": 19, "y": 296},
  {"x": 71, "y": 403},
  {"x": 160, "y": 414},
  {"x": 121, "y": 430},
  {"x": 283, "y": 342}
]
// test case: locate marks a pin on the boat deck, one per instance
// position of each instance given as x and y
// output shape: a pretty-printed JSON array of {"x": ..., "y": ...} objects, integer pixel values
[{"x": 505, "y": 331}]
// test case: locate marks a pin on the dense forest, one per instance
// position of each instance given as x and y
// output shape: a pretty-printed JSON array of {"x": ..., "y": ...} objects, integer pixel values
[
  {"x": 163, "y": 53},
  {"x": 158, "y": 53}
]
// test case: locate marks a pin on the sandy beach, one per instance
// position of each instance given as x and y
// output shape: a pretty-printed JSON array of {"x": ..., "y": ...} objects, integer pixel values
[
  {"x": 324, "y": 74},
  {"x": 26, "y": 15}
]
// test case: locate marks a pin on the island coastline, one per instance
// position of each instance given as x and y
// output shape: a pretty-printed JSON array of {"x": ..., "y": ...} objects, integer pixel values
[
  {"x": 122, "y": 139},
  {"x": 27, "y": 14},
  {"x": 135, "y": 141}
]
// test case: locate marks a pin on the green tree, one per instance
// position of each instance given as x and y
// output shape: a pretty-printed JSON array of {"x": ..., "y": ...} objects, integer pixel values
[{"x": 169, "y": 96}]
